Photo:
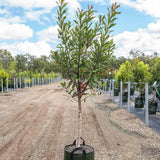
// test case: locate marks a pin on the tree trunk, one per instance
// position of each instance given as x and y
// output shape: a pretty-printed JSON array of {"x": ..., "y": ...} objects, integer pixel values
[{"x": 79, "y": 121}]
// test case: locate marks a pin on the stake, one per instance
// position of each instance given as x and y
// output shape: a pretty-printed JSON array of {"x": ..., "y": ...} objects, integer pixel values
[
  {"x": 113, "y": 89},
  {"x": 38, "y": 81},
  {"x": 121, "y": 90},
  {"x": 129, "y": 107},
  {"x": 110, "y": 89},
  {"x": 7, "y": 84},
  {"x": 20, "y": 83},
  {"x": 146, "y": 105},
  {"x": 14, "y": 84},
  {"x": 2, "y": 84}
]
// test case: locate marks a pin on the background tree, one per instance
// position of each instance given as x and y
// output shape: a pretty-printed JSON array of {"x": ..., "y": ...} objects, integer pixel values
[
  {"x": 84, "y": 50},
  {"x": 21, "y": 62},
  {"x": 5, "y": 59},
  {"x": 141, "y": 56},
  {"x": 155, "y": 70}
]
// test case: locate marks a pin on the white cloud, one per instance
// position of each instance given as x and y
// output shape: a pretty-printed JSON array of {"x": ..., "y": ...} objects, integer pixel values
[
  {"x": 154, "y": 27},
  {"x": 146, "y": 40},
  {"x": 15, "y": 19},
  {"x": 41, "y": 6},
  {"x": 14, "y": 31},
  {"x": 149, "y": 6},
  {"x": 29, "y": 4},
  {"x": 101, "y": 2},
  {"x": 73, "y": 5},
  {"x": 36, "y": 49},
  {"x": 3, "y": 11},
  {"x": 50, "y": 34},
  {"x": 36, "y": 15}
]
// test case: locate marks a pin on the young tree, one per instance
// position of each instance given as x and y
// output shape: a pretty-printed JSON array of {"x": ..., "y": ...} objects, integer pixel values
[
  {"x": 84, "y": 50},
  {"x": 125, "y": 73},
  {"x": 141, "y": 72}
]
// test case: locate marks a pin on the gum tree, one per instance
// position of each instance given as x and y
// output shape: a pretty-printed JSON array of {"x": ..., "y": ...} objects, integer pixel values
[{"x": 83, "y": 51}]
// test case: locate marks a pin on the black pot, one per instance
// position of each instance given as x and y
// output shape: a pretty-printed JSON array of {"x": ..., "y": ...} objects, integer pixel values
[
  {"x": 143, "y": 96},
  {"x": 84, "y": 152},
  {"x": 152, "y": 107},
  {"x": 116, "y": 92},
  {"x": 139, "y": 102},
  {"x": 132, "y": 91},
  {"x": 125, "y": 97}
]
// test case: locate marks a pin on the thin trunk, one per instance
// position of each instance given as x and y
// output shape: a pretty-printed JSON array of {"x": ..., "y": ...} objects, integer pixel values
[{"x": 79, "y": 121}]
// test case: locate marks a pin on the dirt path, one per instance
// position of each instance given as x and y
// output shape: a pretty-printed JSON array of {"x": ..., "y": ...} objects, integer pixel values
[{"x": 36, "y": 124}]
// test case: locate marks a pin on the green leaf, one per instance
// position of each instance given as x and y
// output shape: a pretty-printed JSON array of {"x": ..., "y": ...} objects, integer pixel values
[{"x": 63, "y": 84}]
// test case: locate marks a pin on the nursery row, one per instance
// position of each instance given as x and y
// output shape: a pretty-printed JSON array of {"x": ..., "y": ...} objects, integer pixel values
[
  {"x": 126, "y": 93},
  {"x": 9, "y": 84}
]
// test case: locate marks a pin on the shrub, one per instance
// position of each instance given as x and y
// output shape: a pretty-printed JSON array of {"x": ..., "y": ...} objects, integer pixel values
[{"x": 3, "y": 75}]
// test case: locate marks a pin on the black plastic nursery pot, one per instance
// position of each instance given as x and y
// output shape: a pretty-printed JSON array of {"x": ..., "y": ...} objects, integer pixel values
[
  {"x": 132, "y": 91},
  {"x": 84, "y": 152},
  {"x": 139, "y": 102},
  {"x": 125, "y": 97},
  {"x": 116, "y": 92},
  {"x": 10, "y": 85},
  {"x": 152, "y": 107},
  {"x": 143, "y": 96}
]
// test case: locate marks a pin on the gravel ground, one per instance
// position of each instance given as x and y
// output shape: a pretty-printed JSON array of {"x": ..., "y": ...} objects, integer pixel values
[{"x": 36, "y": 123}]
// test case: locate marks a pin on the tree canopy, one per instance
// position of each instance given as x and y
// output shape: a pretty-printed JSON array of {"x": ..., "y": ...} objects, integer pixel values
[{"x": 84, "y": 49}]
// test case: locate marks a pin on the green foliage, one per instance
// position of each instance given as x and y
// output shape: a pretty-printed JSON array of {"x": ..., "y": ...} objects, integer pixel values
[
  {"x": 3, "y": 75},
  {"x": 84, "y": 49},
  {"x": 135, "y": 72},
  {"x": 155, "y": 70},
  {"x": 5, "y": 59},
  {"x": 141, "y": 72},
  {"x": 32, "y": 63},
  {"x": 125, "y": 73}
]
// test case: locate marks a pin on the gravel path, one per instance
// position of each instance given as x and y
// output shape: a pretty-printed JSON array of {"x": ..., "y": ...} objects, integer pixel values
[{"x": 36, "y": 123}]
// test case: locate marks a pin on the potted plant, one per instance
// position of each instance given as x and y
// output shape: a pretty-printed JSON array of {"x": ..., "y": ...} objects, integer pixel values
[
  {"x": 82, "y": 56},
  {"x": 124, "y": 74},
  {"x": 141, "y": 76}
]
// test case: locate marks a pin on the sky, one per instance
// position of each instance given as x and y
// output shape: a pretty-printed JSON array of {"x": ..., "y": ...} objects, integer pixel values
[{"x": 29, "y": 26}]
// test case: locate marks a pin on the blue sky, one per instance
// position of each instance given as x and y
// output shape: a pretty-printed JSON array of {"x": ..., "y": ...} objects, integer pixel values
[{"x": 30, "y": 26}]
